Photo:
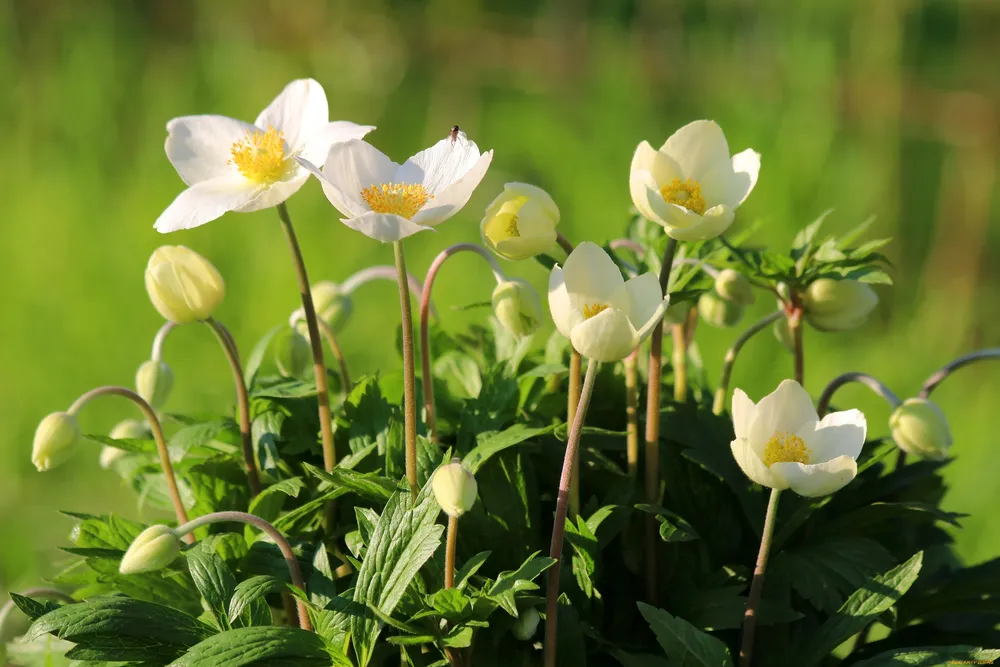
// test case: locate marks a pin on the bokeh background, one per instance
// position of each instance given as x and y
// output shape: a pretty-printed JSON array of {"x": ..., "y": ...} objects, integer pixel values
[{"x": 887, "y": 108}]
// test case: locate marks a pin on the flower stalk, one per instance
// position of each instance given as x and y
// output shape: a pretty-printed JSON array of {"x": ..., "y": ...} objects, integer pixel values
[
  {"x": 795, "y": 329},
  {"x": 938, "y": 377},
  {"x": 757, "y": 585},
  {"x": 873, "y": 383},
  {"x": 632, "y": 413},
  {"x": 451, "y": 547},
  {"x": 409, "y": 379},
  {"x": 730, "y": 359},
  {"x": 338, "y": 353},
  {"x": 572, "y": 401}
]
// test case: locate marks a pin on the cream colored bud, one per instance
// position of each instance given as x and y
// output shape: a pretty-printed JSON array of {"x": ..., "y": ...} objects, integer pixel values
[
  {"x": 55, "y": 440},
  {"x": 521, "y": 222},
  {"x": 153, "y": 382},
  {"x": 292, "y": 353},
  {"x": 920, "y": 427},
  {"x": 332, "y": 306},
  {"x": 183, "y": 285},
  {"x": 734, "y": 286},
  {"x": 719, "y": 312},
  {"x": 838, "y": 305},
  {"x": 518, "y": 307},
  {"x": 128, "y": 429},
  {"x": 526, "y": 625},
  {"x": 153, "y": 549},
  {"x": 454, "y": 488}
]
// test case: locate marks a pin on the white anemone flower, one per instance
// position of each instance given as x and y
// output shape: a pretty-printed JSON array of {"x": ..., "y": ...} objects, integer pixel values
[
  {"x": 604, "y": 316},
  {"x": 691, "y": 186},
  {"x": 781, "y": 443},
  {"x": 231, "y": 165},
  {"x": 388, "y": 201}
]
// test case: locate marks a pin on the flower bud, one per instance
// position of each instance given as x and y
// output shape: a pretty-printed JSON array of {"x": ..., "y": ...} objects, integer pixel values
[
  {"x": 521, "y": 222},
  {"x": 783, "y": 333},
  {"x": 130, "y": 429},
  {"x": 153, "y": 382},
  {"x": 183, "y": 285},
  {"x": 292, "y": 353},
  {"x": 55, "y": 440},
  {"x": 838, "y": 305},
  {"x": 153, "y": 549},
  {"x": 734, "y": 286},
  {"x": 454, "y": 488},
  {"x": 332, "y": 305},
  {"x": 677, "y": 313},
  {"x": 719, "y": 312},
  {"x": 920, "y": 427},
  {"x": 526, "y": 624},
  {"x": 518, "y": 307}
]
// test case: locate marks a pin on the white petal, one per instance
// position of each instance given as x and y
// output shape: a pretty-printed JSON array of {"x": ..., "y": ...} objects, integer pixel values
[
  {"x": 715, "y": 221},
  {"x": 443, "y": 163},
  {"x": 837, "y": 434},
  {"x": 744, "y": 411},
  {"x": 560, "y": 306},
  {"x": 645, "y": 298},
  {"x": 334, "y": 194},
  {"x": 536, "y": 195},
  {"x": 747, "y": 167},
  {"x": 593, "y": 277},
  {"x": 607, "y": 336},
  {"x": 646, "y": 329},
  {"x": 352, "y": 166},
  {"x": 206, "y": 201},
  {"x": 450, "y": 201},
  {"x": 720, "y": 185},
  {"x": 788, "y": 409},
  {"x": 817, "y": 480},
  {"x": 200, "y": 147},
  {"x": 385, "y": 227},
  {"x": 277, "y": 193},
  {"x": 299, "y": 111},
  {"x": 697, "y": 147},
  {"x": 318, "y": 146},
  {"x": 752, "y": 466}
]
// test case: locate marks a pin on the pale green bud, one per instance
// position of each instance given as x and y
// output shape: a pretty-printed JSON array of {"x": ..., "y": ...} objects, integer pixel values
[
  {"x": 332, "y": 305},
  {"x": 920, "y": 427},
  {"x": 183, "y": 286},
  {"x": 526, "y": 624},
  {"x": 734, "y": 286},
  {"x": 783, "y": 333},
  {"x": 676, "y": 313},
  {"x": 292, "y": 353},
  {"x": 521, "y": 222},
  {"x": 454, "y": 488},
  {"x": 838, "y": 305},
  {"x": 55, "y": 440},
  {"x": 518, "y": 307},
  {"x": 153, "y": 382},
  {"x": 719, "y": 312},
  {"x": 153, "y": 549},
  {"x": 128, "y": 429}
]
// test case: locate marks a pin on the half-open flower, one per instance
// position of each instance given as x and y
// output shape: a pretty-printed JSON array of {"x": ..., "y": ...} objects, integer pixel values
[
  {"x": 521, "y": 222},
  {"x": 691, "y": 185},
  {"x": 604, "y": 316},
  {"x": 781, "y": 442},
  {"x": 231, "y": 165},
  {"x": 389, "y": 201}
]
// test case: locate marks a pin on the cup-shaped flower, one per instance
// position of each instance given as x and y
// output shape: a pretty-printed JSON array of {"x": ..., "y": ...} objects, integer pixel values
[
  {"x": 838, "y": 305},
  {"x": 153, "y": 549},
  {"x": 454, "y": 488},
  {"x": 521, "y": 222},
  {"x": 153, "y": 382},
  {"x": 231, "y": 165},
  {"x": 518, "y": 307},
  {"x": 389, "y": 201},
  {"x": 131, "y": 429},
  {"x": 920, "y": 427},
  {"x": 718, "y": 311},
  {"x": 183, "y": 285},
  {"x": 733, "y": 286},
  {"x": 781, "y": 443},
  {"x": 691, "y": 186},
  {"x": 292, "y": 353},
  {"x": 55, "y": 440},
  {"x": 604, "y": 316}
]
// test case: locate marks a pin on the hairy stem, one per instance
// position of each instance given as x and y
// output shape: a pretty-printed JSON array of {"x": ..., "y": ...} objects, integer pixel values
[
  {"x": 730, "y": 359},
  {"x": 632, "y": 413},
  {"x": 939, "y": 376},
  {"x": 823, "y": 404},
  {"x": 572, "y": 401},
  {"x": 679, "y": 362},
  {"x": 795, "y": 329},
  {"x": 449, "y": 555},
  {"x": 757, "y": 585},
  {"x": 160, "y": 340},
  {"x": 338, "y": 352},
  {"x": 409, "y": 379}
]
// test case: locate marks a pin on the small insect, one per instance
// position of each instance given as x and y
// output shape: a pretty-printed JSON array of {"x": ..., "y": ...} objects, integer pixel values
[{"x": 453, "y": 135}]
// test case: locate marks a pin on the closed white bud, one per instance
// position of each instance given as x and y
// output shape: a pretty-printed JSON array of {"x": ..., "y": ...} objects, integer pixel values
[
  {"x": 292, "y": 353},
  {"x": 55, "y": 440},
  {"x": 734, "y": 286},
  {"x": 153, "y": 549},
  {"x": 518, "y": 307},
  {"x": 526, "y": 625},
  {"x": 454, "y": 488},
  {"x": 719, "y": 312},
  {"x": 183, "y": 286},
  {"x": 153, "y": 382},
  {"x": 127, "y": 429},
  {"x": 919, "y": 427},
  {"x": 838, "y": 305}
]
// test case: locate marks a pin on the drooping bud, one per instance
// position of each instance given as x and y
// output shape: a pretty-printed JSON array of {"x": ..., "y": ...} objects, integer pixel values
[
  {"x": 734, "y": 286},
  {"x": 920, "y": 427},
  {"x": 526, "y": 624},
  {"x": 292, "y": 353},
  {"x": 153, "y": 549},
  {"x": 838, "y": 305},
  {"x": 55, "y": 440},
  {"x": 183, "y": 285},
  {"x": 332, "y": 305},
  {"x": 719, "y": 312},
  {"x": 518, "y": 307},
  {"x": 153, "y": 382},
  {"x": 128, "y": 429},
  {"x": 521, "y": 222},
  {"x": 454, "y": 488}
]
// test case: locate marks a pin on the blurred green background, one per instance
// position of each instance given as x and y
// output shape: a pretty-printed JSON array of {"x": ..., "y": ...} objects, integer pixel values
[{"x": 885, "y": 108}]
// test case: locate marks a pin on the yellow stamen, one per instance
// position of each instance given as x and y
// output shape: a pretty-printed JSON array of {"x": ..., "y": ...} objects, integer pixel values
[
  {"x": 590, "y": 310},
  {"x": 401, "y": 199},
  {"x": 260, "y": 156},
  {"x": 684, "y": 193},
  {"x": 785, "y": 448},
  {"x": 512, "y": 229}
]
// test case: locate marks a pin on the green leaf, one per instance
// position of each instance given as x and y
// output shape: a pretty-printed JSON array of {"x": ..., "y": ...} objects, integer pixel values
[
  {"x": 684, "y": 644},
  {"x": 32, "y": 608},
  {"x": 286, "y": 389},
  {"x": 932, "y": 656},
  {"x": 873, "y": 514},
  {"x": 470, "y": 567},
  {"x": 491, "y": 444},
  {"x": 369, "y": 486},
  {"x": 269, "y": 645},
  {"x": 215, "y": 581},
  {"x": 269, "y": 502},
  {"x": 249, "y": 590},
  {"x": 134, "y": 445},
  {"x": 257, "y": 354},
  {"x": 450, "y": 603}
]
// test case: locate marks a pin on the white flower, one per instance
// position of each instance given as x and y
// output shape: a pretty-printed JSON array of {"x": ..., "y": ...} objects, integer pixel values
[
  {"x": 691, "y": 186},
  {"x": 521, "y": 222},
  {"x": 388, "y": 201},
  {"x": 604, "y": 316},
  {"x": 781, "y": 443},
  {"x": 235, "y": 166}
]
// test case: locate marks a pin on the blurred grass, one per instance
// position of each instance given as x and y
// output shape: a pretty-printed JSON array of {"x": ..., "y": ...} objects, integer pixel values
[{"x": 887, "y": 109}]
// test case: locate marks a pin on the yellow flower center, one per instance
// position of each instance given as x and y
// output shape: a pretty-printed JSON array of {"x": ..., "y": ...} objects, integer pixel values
[
  {"x": 785, "y": 448},
  {"x": 400, "y": 199},
  {"x": 260, "y": 156},
  {"x": 589, "y": 310},
  {"x": 512, "y": 229},
  {"x": 684, "y": 193}
]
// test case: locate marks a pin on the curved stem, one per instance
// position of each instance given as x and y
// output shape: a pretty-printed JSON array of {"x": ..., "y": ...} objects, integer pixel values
[
  {"x": 383, "y": 272},
  {"x": 242, "y": 401},
  {"x": 286, "y": 549},
  {"x": 700, "y": 263},
  {"x": 154, "y": 425},
  {"x": 757, "y": 585},
  {"x": 730, "y": 359},
  {"x": 627, "y": 244},
  {"x": 562, "y": 509},
  {"x": 572, "y": 401},
  {"x": 939, "y": 376},
  {"x": 426, "y": 377},
  {"x": 449, "y": 554},
  {"x": 564, "y": 242},
  {"x": 160, "y": 339},
  {"x": 823, "y": 404},
  {"x": 632, "y": 413},
  {"x": 40, "y": 592},
  {"x": 338, "y": 352},
  {"x": 409, "y": 380},
  {"x": 319, "y": 364}
]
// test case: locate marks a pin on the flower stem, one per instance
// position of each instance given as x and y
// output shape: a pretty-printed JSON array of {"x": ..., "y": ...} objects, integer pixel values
[
  {"x": 939, "y": 377},
  {"x": 564, "y": 242},
  {"x": 426, "y": 377},
  {"x": 242, "y": 401},
  {"x": 632, "y": 413},
  {"x": 322, "y": 390},
  {"x": 562, "y": 509},
  {"x": 757, "y": 585},
  {"x": 384, "y": 272},
  {"x": 449, "y": 554},
  {"x": 679, "y": 363},
  {"x": 338, "y": 352},
  {"x": 154, "y": 425},
  {"x": 160, "y": 339},
  {"x": 730, "y": 359},
  {"x": 572, "y": 401},
  {"x": 653, "y": 391},
  {"x": 409, "y": 381},
  {"x": 823, "y": 404},
  {"x": 795, "y": 329}
]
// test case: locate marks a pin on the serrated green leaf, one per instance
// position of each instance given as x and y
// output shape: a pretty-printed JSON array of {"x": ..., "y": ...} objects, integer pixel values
[
  {"x": 31, "y": 607},
  {"x": 469, "y": 568},
  {"x": 286, "y": 389},
  {"x": 215, "y": 581},
  {"x": 684, "y": 644},
  {"x": 932, "y": 656},
  {"x": 268, "y": 503},
  {"x": 369, "y": 486},
  {"x": 262, "y": 646},
  {"x": 450, "y": 603},
  {"x": 249, "y": 590},
  {"x": 490, "y": 444}
]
